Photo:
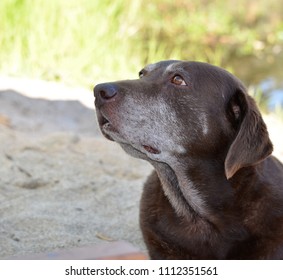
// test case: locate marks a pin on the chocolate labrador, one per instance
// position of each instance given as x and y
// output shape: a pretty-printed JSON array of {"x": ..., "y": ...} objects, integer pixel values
[{"x": 216, "y": 193}]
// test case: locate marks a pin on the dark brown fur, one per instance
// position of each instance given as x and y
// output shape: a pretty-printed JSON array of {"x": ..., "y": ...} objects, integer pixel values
[{"x": 223, "y": 197}]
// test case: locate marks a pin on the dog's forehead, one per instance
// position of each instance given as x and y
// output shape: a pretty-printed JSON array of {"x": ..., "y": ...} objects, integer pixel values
[
  {"x": 174, "y": 66},
  {"x": 150, "y": 67},
  {"x": 166, "y": 65}
]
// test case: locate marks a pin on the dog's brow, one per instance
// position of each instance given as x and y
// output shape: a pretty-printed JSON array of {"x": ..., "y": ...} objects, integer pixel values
[
  {"x": 174, "y": 67},
  {"x": 170, "y": 67},
  {"x": 150, "y": 67}
]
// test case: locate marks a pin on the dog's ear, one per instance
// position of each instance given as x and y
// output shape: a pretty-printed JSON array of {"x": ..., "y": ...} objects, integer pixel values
[{"x": 252, "y": 143}]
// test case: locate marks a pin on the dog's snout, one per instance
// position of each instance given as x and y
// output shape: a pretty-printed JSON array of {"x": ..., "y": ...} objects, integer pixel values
[{"x": 105, "y": 92}]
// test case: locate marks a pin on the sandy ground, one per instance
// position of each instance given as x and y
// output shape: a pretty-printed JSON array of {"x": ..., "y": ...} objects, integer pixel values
[{"x": 62, "y": 185}]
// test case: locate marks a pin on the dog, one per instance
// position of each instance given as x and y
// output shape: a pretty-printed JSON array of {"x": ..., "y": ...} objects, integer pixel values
[{"x": 215, "y": 192}]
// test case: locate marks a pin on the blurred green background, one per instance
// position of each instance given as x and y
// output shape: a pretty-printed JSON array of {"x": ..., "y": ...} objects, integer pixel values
[{"x": 85, "y": 42}]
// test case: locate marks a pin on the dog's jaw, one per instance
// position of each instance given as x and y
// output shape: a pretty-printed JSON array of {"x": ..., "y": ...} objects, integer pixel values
[{"x": 109, "y": 131}]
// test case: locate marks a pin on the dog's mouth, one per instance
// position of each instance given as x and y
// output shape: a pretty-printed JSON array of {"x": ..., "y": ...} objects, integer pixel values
[
  {"x": 105, "y": 126},
  {"x": 105, "y": 123},
  {"x": 111, "y": 133}
]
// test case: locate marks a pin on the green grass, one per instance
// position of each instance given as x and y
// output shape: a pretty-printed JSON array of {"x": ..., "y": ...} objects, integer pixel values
[
  {"x": 73, "y": 41},
  {"x": 89, "y": 41}
]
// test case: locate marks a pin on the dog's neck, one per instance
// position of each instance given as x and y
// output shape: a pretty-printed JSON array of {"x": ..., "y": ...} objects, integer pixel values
[
  {"x": 191, "y": 191},
  {"x": 175, "y": 193}
]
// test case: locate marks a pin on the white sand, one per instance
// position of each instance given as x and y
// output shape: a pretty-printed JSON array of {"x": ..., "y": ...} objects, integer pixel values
[{"x": 62, "y": 185}]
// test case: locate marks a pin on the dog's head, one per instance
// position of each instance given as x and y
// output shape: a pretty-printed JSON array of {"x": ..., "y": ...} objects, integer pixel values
[{"x": 178, "y": 110}]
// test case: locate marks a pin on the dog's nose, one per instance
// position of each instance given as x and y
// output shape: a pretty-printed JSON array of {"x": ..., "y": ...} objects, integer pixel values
[{"x": 105, "y": 92}]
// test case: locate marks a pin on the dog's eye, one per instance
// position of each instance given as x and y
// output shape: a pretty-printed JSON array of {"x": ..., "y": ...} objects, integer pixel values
[
  {"x": 141, "y": 74},
  {"x": 178, "y": 80}
]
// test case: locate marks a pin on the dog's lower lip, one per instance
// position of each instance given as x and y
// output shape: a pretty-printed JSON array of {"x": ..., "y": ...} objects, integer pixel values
[
  {"x": 151, "y": 150},
  {"x": 105, "y": 133}
]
